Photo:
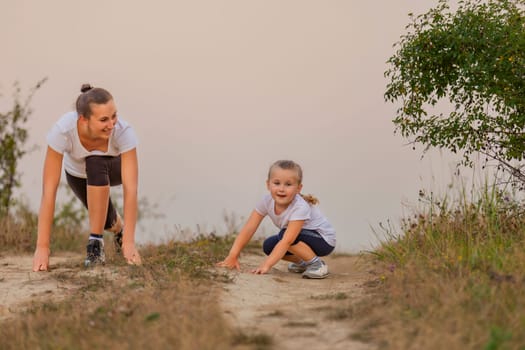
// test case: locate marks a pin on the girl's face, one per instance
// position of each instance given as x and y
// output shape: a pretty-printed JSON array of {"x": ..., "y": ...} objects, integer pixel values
[
  {"x": 102, "y": 121},
  {"x": 283, "y": 185}
]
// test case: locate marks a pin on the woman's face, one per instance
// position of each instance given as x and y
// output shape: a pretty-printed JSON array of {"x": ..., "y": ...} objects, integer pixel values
[{"x": 103, "y": 119}]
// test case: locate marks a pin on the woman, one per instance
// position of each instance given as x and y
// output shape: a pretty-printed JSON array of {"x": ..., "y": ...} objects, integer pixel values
[{"x": 98, "y": 150}]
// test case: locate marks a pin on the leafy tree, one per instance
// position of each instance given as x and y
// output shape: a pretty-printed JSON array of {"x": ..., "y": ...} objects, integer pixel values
[
  {"x": 471, "y": 63},
  {"x": 13, "y": 136}
]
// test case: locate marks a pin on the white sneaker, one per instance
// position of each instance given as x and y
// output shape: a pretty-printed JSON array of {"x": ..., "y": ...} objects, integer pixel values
[
  {"x": 297, "y": 268},
  {"x": 317, "y": 270}
]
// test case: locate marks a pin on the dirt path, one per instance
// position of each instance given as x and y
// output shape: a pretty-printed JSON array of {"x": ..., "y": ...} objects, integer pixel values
[
  {"x": 19, "y": 285},
  {"x": 298, "y": 313}
]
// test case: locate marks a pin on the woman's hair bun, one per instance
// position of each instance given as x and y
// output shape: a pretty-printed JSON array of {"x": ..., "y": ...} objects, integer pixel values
[{"x": 85, "y": 87}]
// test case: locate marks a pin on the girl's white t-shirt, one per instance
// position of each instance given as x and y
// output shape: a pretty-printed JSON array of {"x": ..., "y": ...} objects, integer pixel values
[
  {"x": 63, "y": 138},
  {"x": 299, "y": 209}
]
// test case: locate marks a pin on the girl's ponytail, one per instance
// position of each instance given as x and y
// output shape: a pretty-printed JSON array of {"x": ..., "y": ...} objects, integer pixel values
[{"x": 310, "y": 199}]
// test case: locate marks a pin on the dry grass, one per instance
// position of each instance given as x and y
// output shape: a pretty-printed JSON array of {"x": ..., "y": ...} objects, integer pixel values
[
  {"x": 138, "y": 313},
  {"x": 19, "y": 233},
  {"x": 453, "y": 280}
]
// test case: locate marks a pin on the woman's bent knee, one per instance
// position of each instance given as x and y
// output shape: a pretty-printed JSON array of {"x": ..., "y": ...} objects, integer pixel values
[{"x": 103, "y": 170}]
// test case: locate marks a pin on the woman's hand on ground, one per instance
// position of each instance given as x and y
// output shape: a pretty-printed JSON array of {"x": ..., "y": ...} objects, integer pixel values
[
  {"x": 131, "y": 254},
  {"x": 230, "y": 262},
  {"x": 41, "y": 259}
]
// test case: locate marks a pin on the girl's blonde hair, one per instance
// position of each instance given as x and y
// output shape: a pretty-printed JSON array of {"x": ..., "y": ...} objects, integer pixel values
[{"x": 291, "y": 165}]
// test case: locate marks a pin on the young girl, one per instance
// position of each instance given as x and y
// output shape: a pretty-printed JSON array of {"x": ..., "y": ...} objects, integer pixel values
[
  {"x": 98, "y": 151},
  {"x": 304, "y": 234}
]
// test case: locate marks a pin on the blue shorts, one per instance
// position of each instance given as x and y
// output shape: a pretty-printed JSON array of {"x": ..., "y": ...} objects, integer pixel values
[{"x": 311, "y": 238}]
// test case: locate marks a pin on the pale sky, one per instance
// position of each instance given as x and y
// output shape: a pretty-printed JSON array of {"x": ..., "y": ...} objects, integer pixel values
[{"x": 218, "y": 90}]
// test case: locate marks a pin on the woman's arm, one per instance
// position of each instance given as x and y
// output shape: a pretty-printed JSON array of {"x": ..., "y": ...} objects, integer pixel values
[
  {"x": 130, "y": 188},
  {"x": 244, "y": 236},
  {"x": 51, "y": 178},
  {"x": 290, "y": 235}
]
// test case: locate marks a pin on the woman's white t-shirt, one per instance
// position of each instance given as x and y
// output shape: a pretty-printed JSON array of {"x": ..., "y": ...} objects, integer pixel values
[
  {"x": 299, "y": 209},
  {"x": 63, "y": 138}
]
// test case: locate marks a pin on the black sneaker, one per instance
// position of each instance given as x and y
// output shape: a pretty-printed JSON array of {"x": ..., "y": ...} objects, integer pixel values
[
  {"x": 117, "y": 240},
  {"x": 95, "y": 253}
]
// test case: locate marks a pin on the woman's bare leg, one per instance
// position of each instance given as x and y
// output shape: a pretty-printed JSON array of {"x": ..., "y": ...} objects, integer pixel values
[{"x": 97, "y": 200}]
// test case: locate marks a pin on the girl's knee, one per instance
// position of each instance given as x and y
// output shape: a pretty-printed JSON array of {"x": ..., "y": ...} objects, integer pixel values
[
  {"x": 268, "y": 245},
  {"x": 267, "y": 249}
]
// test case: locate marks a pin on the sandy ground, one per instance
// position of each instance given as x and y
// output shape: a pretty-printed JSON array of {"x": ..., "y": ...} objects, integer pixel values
[
  {"x": 19, "y": 285},
  {"x": 298, "y": 313}
]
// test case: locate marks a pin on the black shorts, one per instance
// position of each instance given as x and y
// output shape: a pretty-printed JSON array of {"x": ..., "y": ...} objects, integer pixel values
[{"x": 101, "y": 171}]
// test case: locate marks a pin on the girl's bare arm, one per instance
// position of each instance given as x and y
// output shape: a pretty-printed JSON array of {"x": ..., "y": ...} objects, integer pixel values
[
  {"x": 290, "y": 235},
  {"x": 244, "y": 236}
]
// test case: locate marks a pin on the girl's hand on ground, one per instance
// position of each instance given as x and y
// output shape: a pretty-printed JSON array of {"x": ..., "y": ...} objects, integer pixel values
[
  {"x": 261, "y": 270},
  {"x": 231, "y": 263},
  {"x": 41, "y": 259},
  {"x": 131, "y": 254}
]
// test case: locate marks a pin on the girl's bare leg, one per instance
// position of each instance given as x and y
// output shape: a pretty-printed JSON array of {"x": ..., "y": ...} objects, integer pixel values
[{"x": 300, "y": 251}]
